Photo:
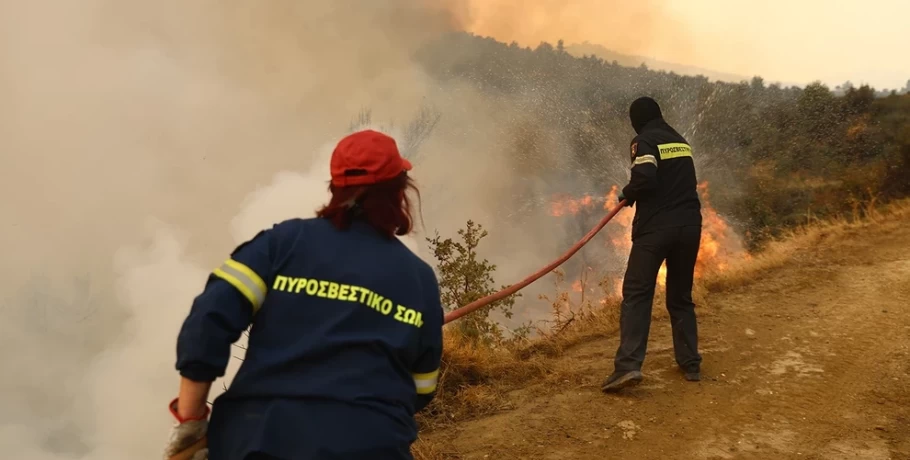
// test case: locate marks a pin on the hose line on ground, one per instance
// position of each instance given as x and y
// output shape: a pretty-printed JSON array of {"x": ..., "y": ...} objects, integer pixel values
[{"x": 482, "y": 302}]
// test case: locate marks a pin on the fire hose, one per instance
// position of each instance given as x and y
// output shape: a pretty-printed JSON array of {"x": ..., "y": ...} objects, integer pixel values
[
  {"x": 484, "y": 301},
  {"x": 477, "y": 304}
]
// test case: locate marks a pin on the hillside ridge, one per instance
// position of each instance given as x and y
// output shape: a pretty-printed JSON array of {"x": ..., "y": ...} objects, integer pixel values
[{"x": 628, "y": 60}]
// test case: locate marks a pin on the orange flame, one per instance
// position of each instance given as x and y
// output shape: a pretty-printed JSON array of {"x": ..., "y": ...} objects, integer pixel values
[
  {"x": 571, "y": 206},
  {"x": 576, "y": 286},
  {"x": 719, "y": 243}
]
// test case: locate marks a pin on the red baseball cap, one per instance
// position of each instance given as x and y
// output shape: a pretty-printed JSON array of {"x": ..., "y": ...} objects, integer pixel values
[{"x": 366, "y": 157}]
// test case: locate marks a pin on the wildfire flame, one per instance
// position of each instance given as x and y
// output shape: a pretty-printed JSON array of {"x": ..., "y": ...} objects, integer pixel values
[
  {"x": 719, "y": 244},
  {"x": 570, "y": 206}
]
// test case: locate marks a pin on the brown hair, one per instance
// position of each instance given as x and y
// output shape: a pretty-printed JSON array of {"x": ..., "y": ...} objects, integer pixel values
[{"x": 384, "y": 205}]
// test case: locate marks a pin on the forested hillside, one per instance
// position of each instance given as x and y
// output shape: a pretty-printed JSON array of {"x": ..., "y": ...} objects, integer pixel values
[{"x": 776, "y": 156}]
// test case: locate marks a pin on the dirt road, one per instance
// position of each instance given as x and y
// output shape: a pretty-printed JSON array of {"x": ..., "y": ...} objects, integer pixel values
[{"x": 812, "y": 361}]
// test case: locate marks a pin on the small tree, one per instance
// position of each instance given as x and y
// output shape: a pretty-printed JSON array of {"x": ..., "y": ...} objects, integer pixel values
[{"x": 463, "y": 279}]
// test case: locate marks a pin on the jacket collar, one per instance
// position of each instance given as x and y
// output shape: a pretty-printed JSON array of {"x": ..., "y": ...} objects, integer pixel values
[{"x": 657, "y": 122}]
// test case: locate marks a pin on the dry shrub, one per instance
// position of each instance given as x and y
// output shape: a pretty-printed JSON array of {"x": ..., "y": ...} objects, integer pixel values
[{"x": 576, "y": 322}]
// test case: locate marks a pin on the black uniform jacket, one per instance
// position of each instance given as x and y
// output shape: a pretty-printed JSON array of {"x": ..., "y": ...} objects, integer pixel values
[{"x": 663, "y": 186}]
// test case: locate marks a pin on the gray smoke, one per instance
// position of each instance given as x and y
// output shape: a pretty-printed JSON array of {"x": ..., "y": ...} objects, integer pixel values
[{"x": 141, "y": 141}]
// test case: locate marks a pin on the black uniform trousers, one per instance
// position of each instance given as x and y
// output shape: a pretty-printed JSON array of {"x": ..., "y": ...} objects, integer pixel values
[{"x": 679, "y": 247}]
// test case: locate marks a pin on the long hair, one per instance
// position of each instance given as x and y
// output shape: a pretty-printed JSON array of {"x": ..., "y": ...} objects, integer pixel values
[{"x": 384, "y": 205}]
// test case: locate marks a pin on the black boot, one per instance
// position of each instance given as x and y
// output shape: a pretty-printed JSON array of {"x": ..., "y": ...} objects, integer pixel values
[
  {"x": 693, "y": 374},
  {"x": 621, "y": 379}
]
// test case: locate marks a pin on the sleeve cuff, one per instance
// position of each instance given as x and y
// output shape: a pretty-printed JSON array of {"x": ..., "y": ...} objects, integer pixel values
[
  {"x": 199, "y": 372},
  {"x": 426, "y": 382}
]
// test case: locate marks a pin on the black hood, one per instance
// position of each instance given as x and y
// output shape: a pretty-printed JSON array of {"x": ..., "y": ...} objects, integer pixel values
[{"x": 642, "y": 111}]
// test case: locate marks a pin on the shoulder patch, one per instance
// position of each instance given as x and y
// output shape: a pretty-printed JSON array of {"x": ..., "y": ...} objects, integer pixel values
[{"x": 634, "y": 149}]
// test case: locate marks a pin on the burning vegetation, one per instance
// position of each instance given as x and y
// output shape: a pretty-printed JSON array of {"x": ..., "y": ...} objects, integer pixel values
[{"x": 720, "y": 245}]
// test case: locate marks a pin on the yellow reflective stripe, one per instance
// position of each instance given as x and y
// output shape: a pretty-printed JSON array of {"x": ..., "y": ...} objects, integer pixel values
[
  {"x": 674, "y": 150},
  {"x": 250, "y": 274},
  {"x": 426, "y": 383},
  {"x": 244, "y": 280},
  {"x": 644, "y": 159}
]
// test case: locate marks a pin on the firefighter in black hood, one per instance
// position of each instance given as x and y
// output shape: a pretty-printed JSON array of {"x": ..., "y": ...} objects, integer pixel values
[{"x": 666, "y": 227}]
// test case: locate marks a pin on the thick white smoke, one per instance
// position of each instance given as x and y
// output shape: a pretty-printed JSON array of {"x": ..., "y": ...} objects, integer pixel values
[
  {"x": 141, "y": 141},
  {"x": 293, "y": 194}
]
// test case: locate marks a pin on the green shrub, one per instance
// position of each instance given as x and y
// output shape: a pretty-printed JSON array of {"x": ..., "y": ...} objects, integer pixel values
[{"x": 464, "y": 278}]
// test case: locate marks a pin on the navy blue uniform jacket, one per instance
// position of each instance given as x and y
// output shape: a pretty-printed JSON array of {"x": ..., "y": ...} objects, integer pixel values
[{"x": 344, "y": 348}]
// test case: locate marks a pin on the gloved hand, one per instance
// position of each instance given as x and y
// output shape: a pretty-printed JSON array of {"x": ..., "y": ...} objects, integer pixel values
[
  {"x": 186, "y": 433},
  {"x": 623, "y": 197}
]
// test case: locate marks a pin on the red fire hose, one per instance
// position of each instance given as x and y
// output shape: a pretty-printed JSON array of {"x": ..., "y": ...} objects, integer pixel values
[{"x": 482, "y": 302}]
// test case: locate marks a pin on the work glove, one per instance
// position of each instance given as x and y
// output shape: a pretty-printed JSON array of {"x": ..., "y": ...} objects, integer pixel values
[
  {"x": 622, "y": 196},
  {"x": 184, "y": 434}
]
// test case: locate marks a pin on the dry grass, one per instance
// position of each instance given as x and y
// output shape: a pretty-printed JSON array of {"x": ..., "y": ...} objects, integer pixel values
[
  {"x": 423, "y": 450},
  {"x": 475, "y": 379},
  {"x": 815, "y": 233}
]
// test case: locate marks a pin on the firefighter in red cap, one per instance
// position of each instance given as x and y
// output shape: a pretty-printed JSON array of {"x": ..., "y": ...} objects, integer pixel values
[{"x": 346, "y": 334}]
